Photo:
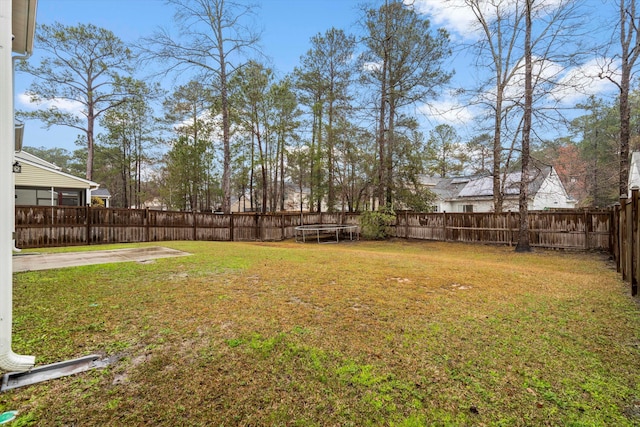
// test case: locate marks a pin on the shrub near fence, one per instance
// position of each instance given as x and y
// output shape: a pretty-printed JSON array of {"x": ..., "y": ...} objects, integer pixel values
[{"x": 41, "y": 226}]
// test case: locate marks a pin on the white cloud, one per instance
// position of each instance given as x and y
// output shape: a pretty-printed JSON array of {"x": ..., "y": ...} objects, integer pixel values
[
  {"x": 65, "y": 105},
  {"x": 372, "y": 66},
  {"x": 565, "y": 86},
  {"x": 24, "y": 100},
  {"x": 458, "y": 17},
  {"x": 588, "y": 79},
  {"x": 455, "y": 15}
]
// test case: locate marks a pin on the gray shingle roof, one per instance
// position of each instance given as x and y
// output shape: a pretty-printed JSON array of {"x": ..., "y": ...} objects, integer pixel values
[
  {"x": 482, "y": 186},
  {"x": 101, "y": 192}
]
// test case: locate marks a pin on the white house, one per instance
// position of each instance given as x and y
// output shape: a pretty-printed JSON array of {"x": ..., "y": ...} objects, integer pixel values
[
  {"x": 634, "y": 172},
  {"x": 475, "y": 193}
]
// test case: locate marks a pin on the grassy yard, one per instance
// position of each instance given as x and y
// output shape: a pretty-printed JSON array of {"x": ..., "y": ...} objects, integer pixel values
[{"x": 354, "y": 334}]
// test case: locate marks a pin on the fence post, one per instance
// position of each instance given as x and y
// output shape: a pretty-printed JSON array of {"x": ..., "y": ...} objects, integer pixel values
[
  {"x": 613, "y": 231},
  {"x": 624, "y": 237},
  {"x": 620, "y": 232},
  {"x": 635, "y": 242},
  {"x": 444, "y": 225},
  {"x": 231, "y": 237},
  {"x": 406, "y": 224},
  {"x": 194, "y": 226},
  {"x": 256, "y": 226},
  {"x": 146, "y": 225},
  {"x": 587, "y": 224},
  {"x": 87, "y": 212},
  {"x": 282, "y": 234}
]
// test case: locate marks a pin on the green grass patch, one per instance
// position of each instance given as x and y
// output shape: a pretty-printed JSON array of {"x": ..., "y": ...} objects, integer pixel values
[{"x": 355, "y": 334}]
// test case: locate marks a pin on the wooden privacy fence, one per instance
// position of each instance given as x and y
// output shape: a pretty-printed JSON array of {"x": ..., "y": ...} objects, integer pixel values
[
  {"x": 40, "y": 226},
  {"x": 575, "y": 229},
  {"x": 626, "y": 239}
]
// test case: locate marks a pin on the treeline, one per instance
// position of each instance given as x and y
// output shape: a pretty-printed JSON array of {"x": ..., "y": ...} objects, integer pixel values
[{"x": 341, "y": 132}]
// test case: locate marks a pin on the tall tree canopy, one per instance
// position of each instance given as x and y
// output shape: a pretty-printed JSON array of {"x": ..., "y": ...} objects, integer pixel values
[
  {"x": 213, "y": 35},
  {"x": 345, "y": 126},
  {"x": 325, "y": 78},
  {"x": 405, "y": 59},
  {"x": 78, "y": 78}
]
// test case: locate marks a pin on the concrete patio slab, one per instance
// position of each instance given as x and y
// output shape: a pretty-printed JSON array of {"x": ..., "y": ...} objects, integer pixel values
[{"x": 35, "y": 261}]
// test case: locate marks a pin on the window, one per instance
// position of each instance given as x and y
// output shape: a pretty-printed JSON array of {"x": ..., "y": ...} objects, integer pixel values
[
  {"x": 30, "y": 196},
  {"x": 70, "y": 198},
  {"x": 467, "y": 208}
]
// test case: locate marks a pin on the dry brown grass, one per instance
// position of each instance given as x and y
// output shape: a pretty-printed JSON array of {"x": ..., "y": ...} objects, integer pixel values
[{"x": 390, "y": 333}]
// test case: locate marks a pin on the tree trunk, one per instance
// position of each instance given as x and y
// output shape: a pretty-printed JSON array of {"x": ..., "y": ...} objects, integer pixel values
[
  {"x": 264, "y": 172},
  {"x": 331, "y": 192},
  {"x": 390, "y": 146},
  {"x": 628, "y": 56},
  {"x": 523, "y": 232},
  {"x": 90, "y": 143},
  {"x": 224, "y": 104},
  {"x": 252, "y": 193},
  {"x": 282, "y": 186},
  {"x": 625, "y": 124},
  {"x": 497, "y": 154},
  {"x": 382, "y": 137}
]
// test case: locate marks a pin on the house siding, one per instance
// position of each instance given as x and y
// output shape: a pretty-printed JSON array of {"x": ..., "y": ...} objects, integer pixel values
[
  {"x": 634, "y": 172},
  {"x": 552, "y": 194},
  {"x": 32, "y": 176}
]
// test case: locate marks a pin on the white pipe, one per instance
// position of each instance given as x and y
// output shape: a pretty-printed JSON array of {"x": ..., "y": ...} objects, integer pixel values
[{"x": 9, "y": 360}]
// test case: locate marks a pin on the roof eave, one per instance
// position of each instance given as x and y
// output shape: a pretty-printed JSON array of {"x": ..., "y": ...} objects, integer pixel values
[
  {"x": 92, "y": 185},
  {"x": 23, "y": 23}
]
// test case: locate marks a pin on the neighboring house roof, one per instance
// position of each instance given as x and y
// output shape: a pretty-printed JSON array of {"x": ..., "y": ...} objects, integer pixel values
[
  {"x": 37, "y": 172},
  {"x": 483, "y": 187},
  {"x": 101, "y": 192},
  {"x": 449, "y": 188}
]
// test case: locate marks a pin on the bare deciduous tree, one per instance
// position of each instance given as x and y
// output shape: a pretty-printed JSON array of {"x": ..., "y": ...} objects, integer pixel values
[
  {"x": 213, "y": 36},
  {"x": 523, "y": 200},
  {"x": 629, "y": 26}
]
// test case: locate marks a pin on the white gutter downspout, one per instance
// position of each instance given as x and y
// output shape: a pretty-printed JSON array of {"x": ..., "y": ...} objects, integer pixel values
[{"x": 9, "y": 360}]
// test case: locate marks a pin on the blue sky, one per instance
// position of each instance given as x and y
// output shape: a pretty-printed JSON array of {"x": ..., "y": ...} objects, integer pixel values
[
  {"x": 287, "y": 27},
  {"x": 288, "y": 24}
]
